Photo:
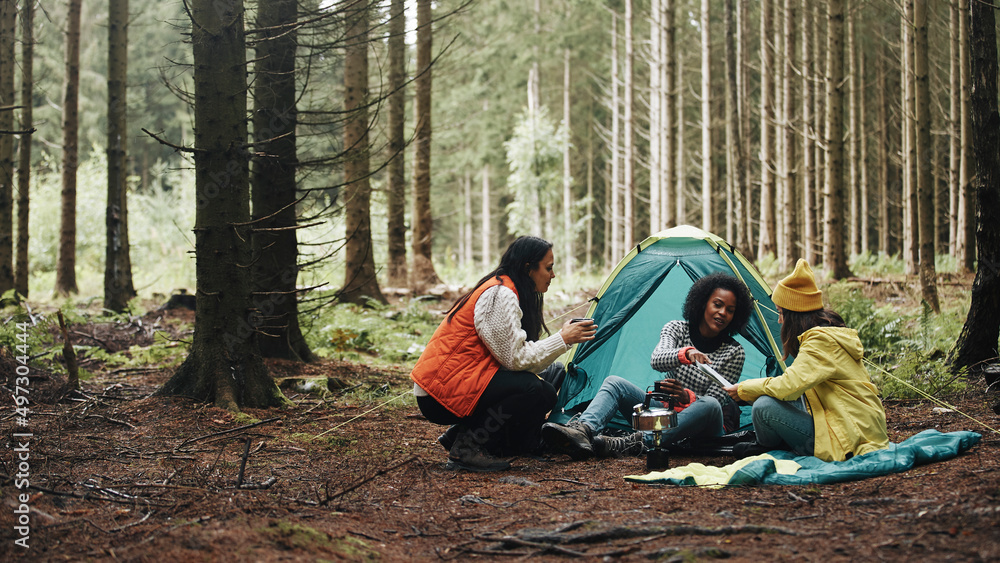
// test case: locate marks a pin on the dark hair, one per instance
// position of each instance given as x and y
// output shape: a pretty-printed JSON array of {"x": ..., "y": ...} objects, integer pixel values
[
  {"x": 794, "y": 323},
  {"x": 522, "y": 256},
  {"x": 701, "y": 291}
]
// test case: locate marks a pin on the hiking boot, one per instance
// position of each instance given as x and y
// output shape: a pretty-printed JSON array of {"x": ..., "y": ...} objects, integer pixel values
[
  {"x": 466, "y": 453},
  {"x": 447, "y": 440},
  {"x": 573, "y": 439},
  {"x": 619, "y": 446},
  {"x": 748, "y": 449}
]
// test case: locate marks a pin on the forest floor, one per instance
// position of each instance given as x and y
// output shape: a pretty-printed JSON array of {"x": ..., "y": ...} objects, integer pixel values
[{"x": 116, "y": 474}]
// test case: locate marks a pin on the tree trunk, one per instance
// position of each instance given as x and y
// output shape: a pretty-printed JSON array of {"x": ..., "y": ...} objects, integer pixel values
[
  {"x": 589, "y": 220},
  {"x": 567, "y": 208},
  {"x": 66, "y": 263},
  {"x": 360, "y": 283},
  {"x": 655, "y": 117},
  {"x": 820, "y": 36},
  {"x": 885, "y": 226},
  {"x": 424, "y": 274},
  {"x": 939, "y": 178},
  {"x": 777, "y": 103},
  {"x": 706, "y": 120},
  {"x": 743, "y": 79},
  {"x": 768, "y": 237},
  {"x": 854, "y": 77},
  {"x": 542, "y": 202},
  {"x": 977, "y": 344},
  {"x": 8, "y": 19},
  {"x": 911, "y": 219},
  {"x": 954, "y": 126},
  {"x": 790, "y": 219},
  {"x": 487, "y": 218},
  {"x": 835, "y": 257},
  {"x": 275, "y": 267},
  {"x": 606, "y": 215},
  {"x": 808, "y": 139},
  {"x": 925, "y": 157},
  {"x": 224, "y": 365},
  {"x": 628, "y": 142},
  {"x": 863, "y": 212},
  {"x": 680, "y": 208},
  {"x": 670, "y": 135},
  {"x": 466, "y": 234},
  {"x": 395, "y": 167},
  {"x": 966, "y": 194},
  {"x": 734, "y": 137},
  {"x": 24, "y": 147},
  {"x": 616, "y": 222},
  {"x": 118, "y": 288}
]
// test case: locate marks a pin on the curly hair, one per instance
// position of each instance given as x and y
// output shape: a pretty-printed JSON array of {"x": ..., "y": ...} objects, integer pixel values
[{"x": 698, "y": 295}]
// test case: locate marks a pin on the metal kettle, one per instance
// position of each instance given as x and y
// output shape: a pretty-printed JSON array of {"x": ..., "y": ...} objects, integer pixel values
[{"x": 655, "y": 420}]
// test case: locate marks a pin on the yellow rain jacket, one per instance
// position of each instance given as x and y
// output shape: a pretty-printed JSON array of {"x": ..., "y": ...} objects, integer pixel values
[{"x": 848, "y": 417}]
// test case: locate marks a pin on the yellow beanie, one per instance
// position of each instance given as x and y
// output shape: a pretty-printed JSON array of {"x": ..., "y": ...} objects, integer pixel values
[{"x": 798, "y": 291}]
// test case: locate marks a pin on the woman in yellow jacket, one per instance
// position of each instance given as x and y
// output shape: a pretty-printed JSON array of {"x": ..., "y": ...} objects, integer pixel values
[{"x": 842, "y": 415}]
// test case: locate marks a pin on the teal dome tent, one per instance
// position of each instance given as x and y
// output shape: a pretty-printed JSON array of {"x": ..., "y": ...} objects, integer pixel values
[{"x": 645, "y": 291}]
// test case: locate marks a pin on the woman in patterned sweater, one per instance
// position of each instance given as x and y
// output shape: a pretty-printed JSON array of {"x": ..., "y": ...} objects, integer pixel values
[{"x": 717, "y": 307}]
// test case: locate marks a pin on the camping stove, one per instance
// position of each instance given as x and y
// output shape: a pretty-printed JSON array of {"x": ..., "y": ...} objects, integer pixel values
[{"x": 655, "y": 420}]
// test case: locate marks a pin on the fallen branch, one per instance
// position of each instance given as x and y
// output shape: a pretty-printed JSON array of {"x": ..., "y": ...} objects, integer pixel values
[
  {"x": 130, "y": 524},
  {"x": 131, "y": 502},
  {"x": 358, "y": 483},
  {"x": 505, "y": 540},
  {"x": 243, "y": 462},
  {"x": 224, "y": 432},
  {"x": 570, "y": 481},
  {"x": 797, "y": 498},
  {"x": 95, "y": 339},
  {"x": 624, "y": 532},
  {"x": 876, "y": 500},
  {"x": 128, "y": 370},
  {"x": 265, "y": 485},
  {"x": 109, "y": 419}
]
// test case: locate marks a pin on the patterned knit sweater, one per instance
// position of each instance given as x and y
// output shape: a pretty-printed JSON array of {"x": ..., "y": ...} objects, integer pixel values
[{"x": 726, "y": 354}]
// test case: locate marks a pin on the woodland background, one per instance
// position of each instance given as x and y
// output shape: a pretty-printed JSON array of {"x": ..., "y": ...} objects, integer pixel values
[
  {"x": 324, "y": 178},
  {"x": 296, "y": 139}
]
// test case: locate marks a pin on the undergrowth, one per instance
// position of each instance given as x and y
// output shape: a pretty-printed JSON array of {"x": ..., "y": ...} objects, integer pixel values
[{"x": 907, "y": 349}]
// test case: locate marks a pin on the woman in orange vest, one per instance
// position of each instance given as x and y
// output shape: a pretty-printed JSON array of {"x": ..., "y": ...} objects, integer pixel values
[{"x": 479, "y": 369}]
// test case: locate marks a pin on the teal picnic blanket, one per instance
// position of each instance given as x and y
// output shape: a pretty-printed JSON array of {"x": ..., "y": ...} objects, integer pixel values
[{"x": 784, "y": 468}]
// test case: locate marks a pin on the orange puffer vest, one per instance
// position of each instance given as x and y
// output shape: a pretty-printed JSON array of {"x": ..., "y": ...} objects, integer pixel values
[{"x": 456, "y": 366}]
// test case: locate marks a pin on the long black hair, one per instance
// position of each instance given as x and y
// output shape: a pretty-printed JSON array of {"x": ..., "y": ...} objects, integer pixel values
[
  {"x": 522, "y": 256},
  {"x": 794, "y": 323},
  {"x": 701, "y": 291}
]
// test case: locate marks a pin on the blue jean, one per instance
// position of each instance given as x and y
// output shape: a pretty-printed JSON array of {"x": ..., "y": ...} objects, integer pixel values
[
  {"x": 783, "y": 425},
  {"x": 701, "y": 418}
]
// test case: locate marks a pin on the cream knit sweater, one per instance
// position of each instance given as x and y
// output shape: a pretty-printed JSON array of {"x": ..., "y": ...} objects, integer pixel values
[{"x": 497, "y": 318}]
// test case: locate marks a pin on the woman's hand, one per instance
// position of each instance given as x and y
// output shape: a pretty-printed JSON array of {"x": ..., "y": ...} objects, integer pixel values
[
  {"x": 671, "y": 387},
  {"x": 733, "y": 391},
  {"x": 579, "y": 331},
  {"x": 695, "y": 355}
]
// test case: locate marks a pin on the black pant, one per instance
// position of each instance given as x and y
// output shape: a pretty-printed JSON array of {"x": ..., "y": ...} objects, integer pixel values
[{"x": 508, "y": 418}]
